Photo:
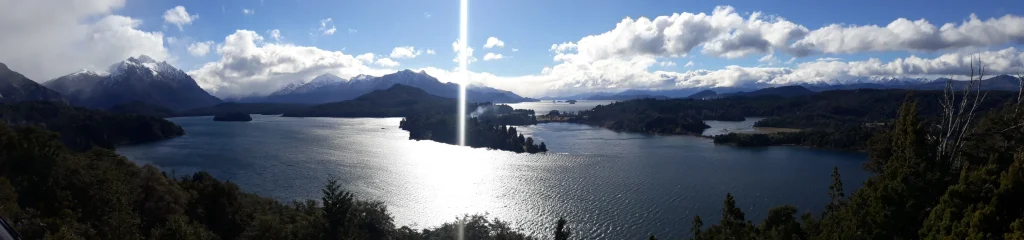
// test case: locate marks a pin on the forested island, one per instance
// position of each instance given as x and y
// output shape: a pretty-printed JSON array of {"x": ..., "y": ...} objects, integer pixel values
[
  {"x": 232, "y": 117},
  {"x": 479, "y": 133},
  {"x": 82, "y": 128}
]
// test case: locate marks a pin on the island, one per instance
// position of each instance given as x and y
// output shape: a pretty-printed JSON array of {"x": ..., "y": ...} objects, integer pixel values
[
  {"x": 232, "y": 117},
  {"x": 431, "y": 117}
]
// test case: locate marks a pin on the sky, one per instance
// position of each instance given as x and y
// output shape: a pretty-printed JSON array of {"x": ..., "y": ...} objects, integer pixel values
[{"x": 532, "y": 47}]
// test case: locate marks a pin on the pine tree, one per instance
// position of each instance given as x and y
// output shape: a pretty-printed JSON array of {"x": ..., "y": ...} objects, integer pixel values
[
  {"x": 695, "y": 228},
  {"x": 337, "y": 207},
  {"x": 562, "y": 232},
  {"x": 835, "y": 192}
]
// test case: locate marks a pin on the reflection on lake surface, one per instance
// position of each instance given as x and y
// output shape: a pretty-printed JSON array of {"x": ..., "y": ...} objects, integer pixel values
[{"x": 609, "y": 185}]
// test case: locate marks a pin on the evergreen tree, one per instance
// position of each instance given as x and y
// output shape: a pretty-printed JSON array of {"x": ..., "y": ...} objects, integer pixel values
[
  {"x": 337, "y": 208},
  {"x": 835, "y": 192},
  {"x": 695, "y": 227},
  {"x": 562, "y": 231}
]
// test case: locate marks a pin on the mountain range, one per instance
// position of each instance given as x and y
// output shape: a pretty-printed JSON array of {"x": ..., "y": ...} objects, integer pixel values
[
  {"x": 135, "y": 79},
  {"x": 999, "y": 83},
  {"x": 330, "y": 88},
  {"x": 15, "y": 87}
]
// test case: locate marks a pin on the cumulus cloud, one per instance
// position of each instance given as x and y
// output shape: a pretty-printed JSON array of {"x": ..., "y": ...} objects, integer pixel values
[
  {"x": 275, "y": 34},
  {"x": 493, "y": 56},
  {"x": 494, "y": 42},
  {"x": 248, "y": 64},
  {"x": 72, "y": 35},
  {"x": 727, "y": 34},
  {"x": 431, "y": 51},
  {"x": 327, "y": 31},
  {"x": 366, "y": 57},
  {"x": 467, "y": 52},
  {"x": 199, "y": 49},
  {"x": 515, "y": 50},
  {"x": 667, "y": 64},
  {"x": 386, "y": 62},
  {"x": 179, "y": 17},
  {"x": 917, "y": 35},
  {"x": 246, "y": 11},
  {"x": 405, "y": 52}
]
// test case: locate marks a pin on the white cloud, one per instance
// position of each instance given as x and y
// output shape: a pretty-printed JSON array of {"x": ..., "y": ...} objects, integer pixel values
[
  {"x": 47, "y": 39},
  {"x": 494, "y": 42},
  {"x": 405, "y": 52},
  {"x": 468, "y": 52},
  {"x": 493, "y": 56},
  {"x": 179, "y": 17},
  {"x": 324, "y": 29},
  {"x": 172, "y": 40},
  {"x": 431, "y": 51},
  {"x": 667, "y": 64},
  {"x": 688, "y": 64},
  {"x": 386, "y": 62},
  {"x": 275, "y": 34},
  {"x": 515, "y": 50},
  {"x": 199, "y": 49},
  {"x": 366, "y": 57},
  {"x": 919, "y": 35},
  {"x": 249, "y": 65},
  {"x": 726, "y": 33},
  {"x": 352, "y": 30},
  {"x": 246, "y": 11}
]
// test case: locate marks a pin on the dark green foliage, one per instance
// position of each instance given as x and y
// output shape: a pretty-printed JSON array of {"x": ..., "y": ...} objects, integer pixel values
[
  {"x": 562, "y": 231},
  {"x": 835, "y": 192},
  {"x": 232, "y": 117},
  {"x": 82, "y": 128}
]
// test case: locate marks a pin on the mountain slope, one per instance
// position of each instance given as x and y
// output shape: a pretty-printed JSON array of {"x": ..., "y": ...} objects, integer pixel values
[
  {"x": 15, "y": 87},
  {"x": 330, "y": 88},
  {"x": 399, "y": 100},
  {"x": 783, "y": 91},
  {"x": 135, "y": 79}
]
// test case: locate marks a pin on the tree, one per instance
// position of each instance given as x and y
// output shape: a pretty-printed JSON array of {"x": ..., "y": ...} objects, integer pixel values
[
  {"x": 781, "y": 223},
  {"x": 562, "y": 231},
  {"x": 695, "y": 228},
  {"x": 337, "y": 208},
  {"x": 543, "y": 147},
  {"x": 835, "y": 193}
]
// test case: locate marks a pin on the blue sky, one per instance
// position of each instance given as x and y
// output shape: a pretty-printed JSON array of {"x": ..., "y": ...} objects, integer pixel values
[
  {"x": 616, "y": 60},
  {"x": 530, "y": 26}
]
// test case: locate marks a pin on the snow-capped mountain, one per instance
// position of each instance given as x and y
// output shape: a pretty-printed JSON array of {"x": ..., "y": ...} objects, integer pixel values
[
  {"x": 135, "y": 79},
  {"x": 331, "y": 88},
  {"x": 15, "y": 87}
]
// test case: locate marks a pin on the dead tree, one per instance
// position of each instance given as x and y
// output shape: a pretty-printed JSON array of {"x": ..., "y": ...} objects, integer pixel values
[
  {"x": 958, "y": 111},
  {"x": 1020, "y": 92}
]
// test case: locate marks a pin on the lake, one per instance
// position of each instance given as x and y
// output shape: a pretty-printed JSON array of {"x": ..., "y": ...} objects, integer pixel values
[{"x": 609, "y": 185}]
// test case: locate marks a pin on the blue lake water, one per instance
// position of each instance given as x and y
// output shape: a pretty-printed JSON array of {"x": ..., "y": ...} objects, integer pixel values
[{"x": 609, "y": 185}]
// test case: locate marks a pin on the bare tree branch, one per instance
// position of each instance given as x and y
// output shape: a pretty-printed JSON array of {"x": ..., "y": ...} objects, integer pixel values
[{"x": 958, "y": 112}]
